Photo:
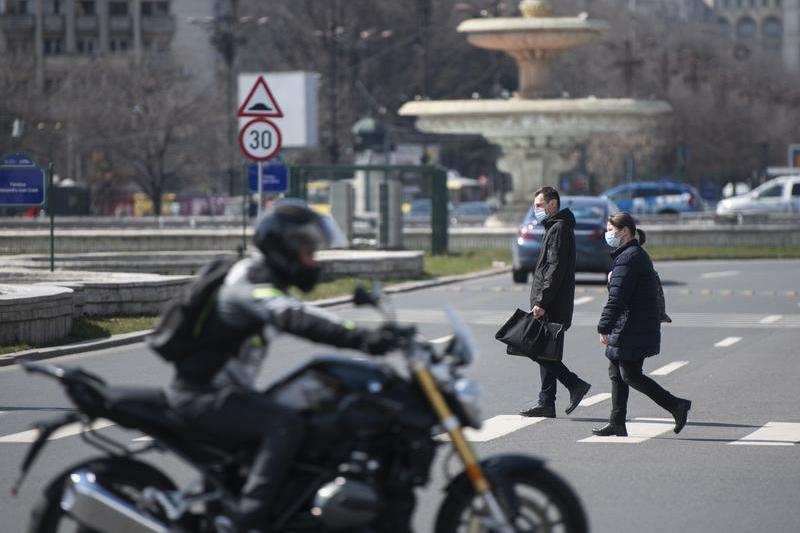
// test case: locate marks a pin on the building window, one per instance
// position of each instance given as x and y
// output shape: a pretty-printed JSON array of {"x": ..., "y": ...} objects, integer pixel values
[
  {"x": 19, "y": 47},
  {"x": 118, "y": 9},
  {"x": 764, "y": 3},
  {"x": 86, "y": 7},
  {"x": 739, "y": 4},
  {"x": 745, "y": 29},
  {"x": 777, "y": 3},
  {"x": 772, "y": 31},
  {"x": 752, "y": 4},
  {"x": 17, "y": 7},
  {"x": 724, "y": 26},
  {"x": 118, "y": 45},
  {"x": 53, "y": 46},
  {"x": 53, "y": 7},
  {"x": 155, "y": 9},
  {"x": 86, "y": 46}
]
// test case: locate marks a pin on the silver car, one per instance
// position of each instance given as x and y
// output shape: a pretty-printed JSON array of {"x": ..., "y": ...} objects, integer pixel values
[{"x": 779, "y": 195}]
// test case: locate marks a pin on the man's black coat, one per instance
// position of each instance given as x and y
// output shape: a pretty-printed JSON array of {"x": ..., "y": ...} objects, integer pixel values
[
  {"x": 553, "y": 287},
  {"x": 631, "y": 317}
]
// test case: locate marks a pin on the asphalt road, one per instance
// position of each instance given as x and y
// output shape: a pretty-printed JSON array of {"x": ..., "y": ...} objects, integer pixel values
[{"x": 732, "y": 349}]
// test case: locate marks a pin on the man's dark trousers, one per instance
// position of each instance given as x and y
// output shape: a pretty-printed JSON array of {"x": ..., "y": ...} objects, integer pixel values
[{"x": 551, "y": 372}]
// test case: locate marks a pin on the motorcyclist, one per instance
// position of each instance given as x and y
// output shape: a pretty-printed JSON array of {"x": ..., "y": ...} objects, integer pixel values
[{"x": 214, "y": 391}]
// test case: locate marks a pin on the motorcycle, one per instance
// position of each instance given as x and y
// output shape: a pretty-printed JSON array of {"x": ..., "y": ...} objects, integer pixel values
[{"x": 373, "y": 432}]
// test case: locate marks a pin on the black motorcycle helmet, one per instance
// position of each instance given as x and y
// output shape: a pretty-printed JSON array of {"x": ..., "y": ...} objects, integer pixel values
[{"x": 286, "y": 235}]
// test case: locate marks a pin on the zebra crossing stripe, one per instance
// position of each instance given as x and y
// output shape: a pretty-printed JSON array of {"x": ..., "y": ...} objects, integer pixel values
[
  {"x": 67, "y": 431},
  {"x": 583, "y": 300},
  {"x": 638, "y": 432},
  {"x": 597, "y": 398},
  {"x": 728, "y": 341},
  {"x": 770, "y": 319},
  {"x": 666, "y": 369},
  {"x": 772, "y": 434},
  {"x": 495, "y": 427}
]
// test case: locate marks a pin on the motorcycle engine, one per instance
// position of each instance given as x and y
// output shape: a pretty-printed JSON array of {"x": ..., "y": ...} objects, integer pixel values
[{"x": 346, "y": 503}]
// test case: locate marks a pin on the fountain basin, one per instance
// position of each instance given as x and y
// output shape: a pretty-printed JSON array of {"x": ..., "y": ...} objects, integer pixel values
[
  {"x": 515, "y": 34},
  {"x": 551, "y": 117}
]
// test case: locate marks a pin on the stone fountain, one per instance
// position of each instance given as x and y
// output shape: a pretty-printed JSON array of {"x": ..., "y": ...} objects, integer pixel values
[{"x": 538, "y": 136}]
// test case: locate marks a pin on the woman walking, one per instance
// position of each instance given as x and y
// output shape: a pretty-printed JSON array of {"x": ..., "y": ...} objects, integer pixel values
[{"x": 630, "y": 327}]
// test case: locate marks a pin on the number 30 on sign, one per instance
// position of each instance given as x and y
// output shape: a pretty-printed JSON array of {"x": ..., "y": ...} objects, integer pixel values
[{"x": 260, "y": 139}]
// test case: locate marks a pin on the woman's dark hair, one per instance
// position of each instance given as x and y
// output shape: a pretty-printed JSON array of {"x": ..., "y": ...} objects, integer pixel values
[{"x": 625, "y": 220}]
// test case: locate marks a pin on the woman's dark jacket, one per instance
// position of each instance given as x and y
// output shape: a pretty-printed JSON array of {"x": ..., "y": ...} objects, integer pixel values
[
  {"x": 630, "y": 317},
  {"x": 553, "y": 287}
]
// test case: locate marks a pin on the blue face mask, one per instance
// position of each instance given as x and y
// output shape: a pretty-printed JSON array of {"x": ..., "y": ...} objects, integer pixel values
[
  {"x": 540, "y": 215},
  {"x": 612, "y": 239}
]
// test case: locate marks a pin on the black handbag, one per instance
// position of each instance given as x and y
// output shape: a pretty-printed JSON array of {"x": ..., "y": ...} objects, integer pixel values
[{"x": 532, "y": 337}]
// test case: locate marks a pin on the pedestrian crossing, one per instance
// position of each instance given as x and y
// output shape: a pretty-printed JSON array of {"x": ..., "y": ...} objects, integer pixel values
[
  {"x": 640, "y": 430},
  {"x": 494, "y": 317}
]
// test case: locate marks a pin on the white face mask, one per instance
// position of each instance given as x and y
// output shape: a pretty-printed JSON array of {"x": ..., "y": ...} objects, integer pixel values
[{"x": 612, "y": 239}]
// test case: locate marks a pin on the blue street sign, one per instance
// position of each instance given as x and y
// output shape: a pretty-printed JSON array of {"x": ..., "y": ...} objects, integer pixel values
[
  {"x": 17, "y": 160},
  {"x": 275, "y": 178},
  {"x": 21, "y": 185}
]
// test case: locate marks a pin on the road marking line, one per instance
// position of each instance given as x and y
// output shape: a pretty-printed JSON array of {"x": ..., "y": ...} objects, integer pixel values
[
  {"x": 772, "y": 434},
  {"x": 495, "y": 427},
  {"x": 583, "y": 300},
  {"x": 728, "y": 341},
  {"x": 143, "y": 439},
  {"x": 67, "y": 431},
  {"x": 597, "y": 398},
  {"x": 722, "y": 274},
  {"x": 666, "y": 369},
  {"x": 638, "y": 432},
  {"x": 770, "y": 319},
  {"x": 441, "y": 340}
]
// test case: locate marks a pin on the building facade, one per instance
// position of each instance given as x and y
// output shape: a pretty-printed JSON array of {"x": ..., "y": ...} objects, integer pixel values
[
  {"x": 771, "y": 24},
  {"x": 55, "y": 34}
]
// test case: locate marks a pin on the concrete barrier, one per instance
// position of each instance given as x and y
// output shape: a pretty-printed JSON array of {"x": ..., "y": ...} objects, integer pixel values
[
  {"x": 154, "y": 241},
  {"x": 34, "y": 314}
]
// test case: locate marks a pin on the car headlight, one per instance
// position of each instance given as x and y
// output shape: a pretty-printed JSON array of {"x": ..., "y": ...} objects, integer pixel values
[{"x": 468, "y": 393}]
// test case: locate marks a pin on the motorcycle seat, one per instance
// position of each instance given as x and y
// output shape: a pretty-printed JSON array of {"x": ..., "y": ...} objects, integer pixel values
[{"x": 146, "y": 409}]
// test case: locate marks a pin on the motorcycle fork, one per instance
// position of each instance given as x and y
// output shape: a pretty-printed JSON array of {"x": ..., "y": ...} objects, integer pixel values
[{"x": 471, "y": 465}]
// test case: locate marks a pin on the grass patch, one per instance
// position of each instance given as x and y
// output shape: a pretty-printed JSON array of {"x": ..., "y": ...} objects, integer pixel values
[
  {"x": 455, "y": 263},
  {"x": 92, "y": 328},
  {"x": 667, "y": 253}
]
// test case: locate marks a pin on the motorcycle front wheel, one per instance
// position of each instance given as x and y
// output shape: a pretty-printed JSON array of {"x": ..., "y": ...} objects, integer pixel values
[
  {"x": 125, "y": 478},
  {"x": 534, "y": 500}
]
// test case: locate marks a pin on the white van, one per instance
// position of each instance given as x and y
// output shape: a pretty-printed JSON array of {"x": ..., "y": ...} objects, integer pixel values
[{"x": 779, "y": 195}]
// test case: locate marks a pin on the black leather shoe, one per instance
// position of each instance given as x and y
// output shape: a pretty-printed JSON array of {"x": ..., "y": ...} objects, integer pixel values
[
  {"x": 680, "y": 414},
  {"x": 576, "y": 395},
  {"x": 540, "y": 410},
  {"x": 611, "y": 430}
]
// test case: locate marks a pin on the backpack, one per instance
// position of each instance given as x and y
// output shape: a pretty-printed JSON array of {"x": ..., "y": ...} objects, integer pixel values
[
  {"x": 661, "y": 301},
  {"x": 176, "y": 333}
]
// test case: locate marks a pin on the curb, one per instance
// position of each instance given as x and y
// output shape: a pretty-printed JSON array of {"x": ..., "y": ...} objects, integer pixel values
[{"x": 124, "y": 339}]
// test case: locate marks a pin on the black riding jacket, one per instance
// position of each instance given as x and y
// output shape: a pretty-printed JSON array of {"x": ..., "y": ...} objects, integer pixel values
[{"x": 249, "y": 311}]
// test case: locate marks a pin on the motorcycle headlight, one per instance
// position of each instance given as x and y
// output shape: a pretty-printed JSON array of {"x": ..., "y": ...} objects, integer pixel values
[{"x": 468, "y": 393}]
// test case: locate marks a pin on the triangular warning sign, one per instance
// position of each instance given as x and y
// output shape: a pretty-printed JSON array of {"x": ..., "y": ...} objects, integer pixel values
[{"x": 260, "y": 102}]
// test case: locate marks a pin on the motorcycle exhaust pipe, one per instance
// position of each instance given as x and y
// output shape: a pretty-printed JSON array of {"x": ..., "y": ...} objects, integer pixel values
[{"x": 98, "y": 509}]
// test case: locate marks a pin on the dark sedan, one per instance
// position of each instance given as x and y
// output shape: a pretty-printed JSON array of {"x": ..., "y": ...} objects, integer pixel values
[{"x": 593, "y": 254}]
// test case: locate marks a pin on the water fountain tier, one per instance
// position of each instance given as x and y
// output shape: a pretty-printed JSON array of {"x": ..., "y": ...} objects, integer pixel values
[
  {"x": 538, "y": 136},
  {"x": 532, "y": 42}
]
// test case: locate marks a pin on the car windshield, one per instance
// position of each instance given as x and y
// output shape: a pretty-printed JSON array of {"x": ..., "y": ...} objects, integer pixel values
[{"x": 585, "y": 210}]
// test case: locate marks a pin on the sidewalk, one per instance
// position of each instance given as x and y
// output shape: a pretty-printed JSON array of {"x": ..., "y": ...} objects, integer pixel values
[{"x": 36, "y": 354}]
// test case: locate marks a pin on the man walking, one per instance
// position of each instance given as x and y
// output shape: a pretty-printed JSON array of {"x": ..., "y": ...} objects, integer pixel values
[{"x": 553, "y": 295}]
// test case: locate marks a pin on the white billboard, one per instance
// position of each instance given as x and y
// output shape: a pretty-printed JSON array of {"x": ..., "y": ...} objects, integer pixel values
[{"x": 296, "y": 95}]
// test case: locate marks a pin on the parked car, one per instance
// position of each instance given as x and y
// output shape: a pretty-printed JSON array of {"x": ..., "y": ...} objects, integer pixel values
[
  {"x": 656, "y": 198},
  {"x": 470, "y": 214},
  {"x": 419, "y": 213},
  {"x": 592, "y": 252},
  {"x": 778, "y": 195}
]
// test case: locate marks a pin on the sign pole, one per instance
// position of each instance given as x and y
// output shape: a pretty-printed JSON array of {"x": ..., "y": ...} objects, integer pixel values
[
  {"x": 52, "y": 215},
  {"x": 245, "y": 205},
  {"x": 260, "y": 186}
]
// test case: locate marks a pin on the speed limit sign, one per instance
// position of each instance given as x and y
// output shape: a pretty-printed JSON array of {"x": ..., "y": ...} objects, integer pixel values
[{"x": 260, "y": 139}]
